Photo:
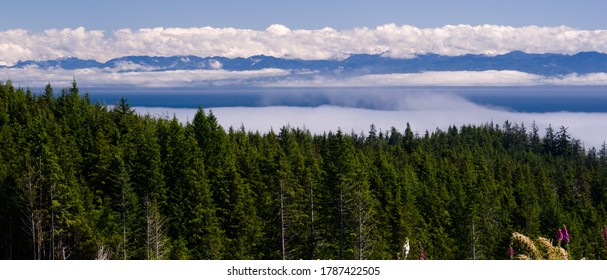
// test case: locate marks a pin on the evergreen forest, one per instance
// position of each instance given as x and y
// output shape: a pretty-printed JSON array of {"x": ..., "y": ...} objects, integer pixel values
[{"x": 81, "y": 180}]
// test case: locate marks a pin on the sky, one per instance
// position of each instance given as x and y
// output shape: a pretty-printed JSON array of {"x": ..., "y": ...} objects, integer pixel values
[
  {"x": 109, "y": 15},
  {"x": 311, "y": 29}
]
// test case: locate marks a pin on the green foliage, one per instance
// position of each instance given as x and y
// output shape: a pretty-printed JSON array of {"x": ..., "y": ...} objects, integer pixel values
[{"x": 81, "y": 181}]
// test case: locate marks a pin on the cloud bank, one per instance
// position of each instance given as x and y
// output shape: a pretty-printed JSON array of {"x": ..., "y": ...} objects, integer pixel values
[
  {"x": 92, "y": 77},
  {"x": 451, "y": 78},
  {"x": 427, "y": 112},
  {"x": 95, "y": 77},
  {"x": 280, "y": 41}
]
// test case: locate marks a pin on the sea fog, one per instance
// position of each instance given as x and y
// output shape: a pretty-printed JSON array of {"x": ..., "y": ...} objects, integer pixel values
[{"x": 581, "y": 110}]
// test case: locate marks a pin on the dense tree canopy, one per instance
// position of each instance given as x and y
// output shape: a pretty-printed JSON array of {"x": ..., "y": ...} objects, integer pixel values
[{"x": 83, "y": 181}]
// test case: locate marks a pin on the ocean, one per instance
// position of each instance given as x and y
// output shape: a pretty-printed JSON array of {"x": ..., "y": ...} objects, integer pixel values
[
  {"x": 518, "y": 99},
  {"x": 581, "y": 110}
]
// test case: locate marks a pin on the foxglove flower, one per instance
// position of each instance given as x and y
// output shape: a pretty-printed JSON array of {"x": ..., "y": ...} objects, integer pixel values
[
  {"x": 406, "y": 248},
  {"x": 422, "y": 254},
  {"x": 559, "y": 235},
  {"x": 565, "y": 234},
  {"x": 510, "y": 251}
]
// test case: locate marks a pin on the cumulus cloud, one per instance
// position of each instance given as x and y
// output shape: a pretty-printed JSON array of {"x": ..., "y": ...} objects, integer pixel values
[
  {"x": 19, "y": 44},
  {"x": 280, "y": 41},
  {"x": 443, "y": 111}
]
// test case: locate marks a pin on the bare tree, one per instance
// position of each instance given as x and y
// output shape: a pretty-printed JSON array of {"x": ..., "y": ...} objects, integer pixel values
[
  {"x": 124, "y": 239},
  {"x": 52, "y": 197},
  {"x": 155, "y": 232},
  {"x": 282, "y": 223},
  {"x": 62, "y": 250},
  {"x": 312, "y": 229},
  {"x": 341, "y": 222},
  {"x": 363, "y": 220},
  {"x": 102, "y": 253},
  {"x": 34, "y": 217},
  {"x": 474, "y": 237}
]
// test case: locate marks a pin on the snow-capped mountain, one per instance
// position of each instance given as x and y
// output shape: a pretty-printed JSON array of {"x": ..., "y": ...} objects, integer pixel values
[{"x": 540, "y": 64}]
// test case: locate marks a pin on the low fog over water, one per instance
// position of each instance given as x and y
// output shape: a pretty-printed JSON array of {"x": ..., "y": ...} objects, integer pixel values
[{"x": 582, "y": 110}]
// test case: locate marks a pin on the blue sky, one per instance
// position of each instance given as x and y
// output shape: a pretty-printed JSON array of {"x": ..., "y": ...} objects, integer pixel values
[{"x": 110, "y": 15}]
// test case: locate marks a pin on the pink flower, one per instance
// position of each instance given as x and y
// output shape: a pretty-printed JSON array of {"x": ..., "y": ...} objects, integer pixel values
[
  {"x": 559, "y": 235},
  {"x": 565, "y": 234},
  {"x": 422, "y": 254},
  {"x": 510, "y": 251}
]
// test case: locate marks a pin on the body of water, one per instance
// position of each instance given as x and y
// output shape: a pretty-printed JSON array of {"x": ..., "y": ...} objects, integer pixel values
[
  {"x": 582, "y": 110},
  {"x": 518, "y": 99}
]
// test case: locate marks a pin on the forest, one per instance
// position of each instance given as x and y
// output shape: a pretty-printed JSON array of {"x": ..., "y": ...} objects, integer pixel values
[{"x": 84, "y": 180}]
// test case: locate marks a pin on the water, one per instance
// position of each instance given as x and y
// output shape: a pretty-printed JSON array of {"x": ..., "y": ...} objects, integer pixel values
[
  {"x": 541, "y": 99},
  {"x": 583, "y": 110},
  {"x": 517, "y": 99}
]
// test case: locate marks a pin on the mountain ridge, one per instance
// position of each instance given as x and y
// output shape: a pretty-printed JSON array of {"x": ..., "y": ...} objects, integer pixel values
[{"x": 547, "y": 64}]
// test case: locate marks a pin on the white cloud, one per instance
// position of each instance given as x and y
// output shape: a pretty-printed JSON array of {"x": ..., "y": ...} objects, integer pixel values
[
  {"x": 129, "y": 66},
  {"x": 580, "y": 80},
  {"x": 447, "y": 78},
  {"x": 215, "y": 64},
  {"x": 441, "y": 78},
  {"x": 91, "y": 77},
  {"x": 280, "y": 41},
  {"x": 145, "y": 77},
  {"x": 432, "y": 112},
  {"x": 19, "y": 44}
]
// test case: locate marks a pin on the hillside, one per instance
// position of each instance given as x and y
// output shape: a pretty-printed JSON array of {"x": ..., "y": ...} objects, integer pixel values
[{"x": 82, "y": 181}]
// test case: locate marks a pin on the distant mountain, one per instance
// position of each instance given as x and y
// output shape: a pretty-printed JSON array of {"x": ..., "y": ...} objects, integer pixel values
[
  {"x": 70, "y": 63},
  {"x": 542, "y": 64}
]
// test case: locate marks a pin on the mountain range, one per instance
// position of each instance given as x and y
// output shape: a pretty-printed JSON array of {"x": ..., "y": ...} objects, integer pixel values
[{"x": 541, "y": 64}]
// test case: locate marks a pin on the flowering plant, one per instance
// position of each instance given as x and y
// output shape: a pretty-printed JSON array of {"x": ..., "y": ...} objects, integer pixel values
[
  {"x": 565, "y": 234},
  {"x": 406, "y": 248},
  {"x": 422, "y": 254},
  {"x": 559, "y": 235}
]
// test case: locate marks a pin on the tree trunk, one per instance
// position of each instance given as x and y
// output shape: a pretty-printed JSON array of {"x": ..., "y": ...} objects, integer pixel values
[
  {"x": 341, "y": 223},
  {"x": 360, "y": 227},
  {"x": 282, "y": 225},
  {"x": 473, "y": 243},
  {"x": 154, "y": 232},
  {"x": 52, "y": 249},
  {"x": 312, "y": 230},
  {"x": 123, "y": 223},
  {"x": 31, "y": 209}
]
